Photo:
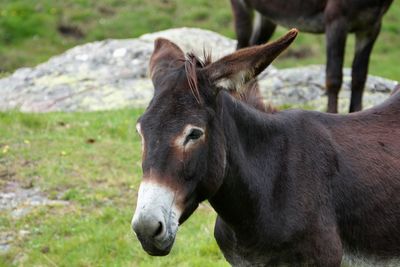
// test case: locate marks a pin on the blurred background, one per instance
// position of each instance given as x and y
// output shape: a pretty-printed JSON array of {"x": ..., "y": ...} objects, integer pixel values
[
  {"x": 68, "y": 180},
  {"x": 32, "y": 31}
]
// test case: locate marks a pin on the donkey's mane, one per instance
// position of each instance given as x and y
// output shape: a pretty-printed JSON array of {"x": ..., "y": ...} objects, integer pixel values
[
  {"x": 192, "y": 62},
  {"x": 250, "y": 94}
]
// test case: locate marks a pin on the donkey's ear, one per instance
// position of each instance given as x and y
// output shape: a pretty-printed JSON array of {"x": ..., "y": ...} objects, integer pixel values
[
  {"x": 238, "y": 68},
  {"x": 166, "y": 54}
]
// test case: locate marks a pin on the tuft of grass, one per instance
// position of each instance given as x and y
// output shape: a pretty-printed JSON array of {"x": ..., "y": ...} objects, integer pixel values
[
  {"x": 30, "y": 30},
  {"x": 91, "y": 160}
]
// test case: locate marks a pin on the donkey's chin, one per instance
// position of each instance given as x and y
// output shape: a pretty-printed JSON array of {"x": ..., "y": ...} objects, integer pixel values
[
  {"x": 155, "y": 251},
  {"x": 158, "y": 248}
]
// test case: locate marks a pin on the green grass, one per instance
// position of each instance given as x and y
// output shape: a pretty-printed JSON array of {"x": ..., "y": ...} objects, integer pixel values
[
  {"x": 29, "y": 35},
  {"x": 100, "y": 180}
]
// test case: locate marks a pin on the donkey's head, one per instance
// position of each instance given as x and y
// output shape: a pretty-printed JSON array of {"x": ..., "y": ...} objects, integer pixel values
[{"x": 183, "y": 144}]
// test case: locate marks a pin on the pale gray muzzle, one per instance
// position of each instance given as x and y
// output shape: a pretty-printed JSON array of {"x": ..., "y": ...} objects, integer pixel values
[{"x": 155, "y": 221}]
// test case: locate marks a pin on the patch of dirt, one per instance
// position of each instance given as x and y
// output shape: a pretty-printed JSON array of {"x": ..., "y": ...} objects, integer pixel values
[
  {"x": 106, "y": 11},
  {"x": 70, "y": 31},
  {"x": 17, "y": 201},
  {"x": 6, "y": 239}
]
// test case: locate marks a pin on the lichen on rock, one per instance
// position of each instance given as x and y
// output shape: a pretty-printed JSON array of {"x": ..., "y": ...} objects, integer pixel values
[{"x": 112, "y": 74}]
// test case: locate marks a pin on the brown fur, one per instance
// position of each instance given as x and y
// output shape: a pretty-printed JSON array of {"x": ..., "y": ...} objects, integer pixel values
[
  {"x": 249, "y": 94},
  {"x": 291, "y": 188}
]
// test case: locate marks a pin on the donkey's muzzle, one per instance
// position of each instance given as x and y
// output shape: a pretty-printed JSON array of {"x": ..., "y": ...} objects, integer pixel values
[
  {"x": 153, "y": 234},
  {"x": 155, "y": 221}
]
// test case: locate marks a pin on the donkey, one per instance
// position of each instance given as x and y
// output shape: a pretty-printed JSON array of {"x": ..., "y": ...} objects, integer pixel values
[
  {"x": 336, "y": 18},
  {"x": 290, "y": 187}
]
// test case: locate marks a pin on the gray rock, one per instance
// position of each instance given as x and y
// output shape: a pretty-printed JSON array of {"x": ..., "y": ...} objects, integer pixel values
[
  {"x": 6, "y": 240},
  {"x": 196, "y": 41},
  {"x": 101, "y": 75},
  {"x": 112, "y": 74},
  {"x": 305, "y": 86}
]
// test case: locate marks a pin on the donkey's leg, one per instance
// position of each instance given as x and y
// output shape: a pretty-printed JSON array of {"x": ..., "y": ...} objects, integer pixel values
[
  {"x": 364, "y": 43},
  {"x": 263, "y": 29},
  {"x": 327, "y": 249},
  {"x": 243, "y": 22},
  {"x": 336, "y": 33}
]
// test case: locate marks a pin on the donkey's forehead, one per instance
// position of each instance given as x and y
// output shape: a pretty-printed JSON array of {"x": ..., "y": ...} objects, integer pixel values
[
  {"x": 171, "y": 122},
  {"x": 179, "y": 82},
  {"x": 172, "y": 113}
]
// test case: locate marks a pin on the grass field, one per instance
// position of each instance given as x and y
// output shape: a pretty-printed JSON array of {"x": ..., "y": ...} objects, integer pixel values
[
  {"x": 92, "y": 161},
  {"x": 99, "y": 179},
  {"x": 32, "y": 31}
]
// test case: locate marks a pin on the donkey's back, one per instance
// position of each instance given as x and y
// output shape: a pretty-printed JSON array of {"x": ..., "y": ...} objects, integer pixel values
[
  {"x": 336, "y": 18},
  {"x": 366, "y": 188},
  {"x": 313, "y": 15}
]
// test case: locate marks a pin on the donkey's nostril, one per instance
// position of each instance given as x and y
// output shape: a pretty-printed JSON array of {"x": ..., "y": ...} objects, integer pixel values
[{"x": 159, "y": 229}]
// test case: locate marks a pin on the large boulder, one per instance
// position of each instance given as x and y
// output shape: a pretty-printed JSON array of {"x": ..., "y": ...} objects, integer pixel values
[
  {"x": 101, "y": 75},
  {"x": 305, "y": 87},
  {"x": 113, "y": 74}
]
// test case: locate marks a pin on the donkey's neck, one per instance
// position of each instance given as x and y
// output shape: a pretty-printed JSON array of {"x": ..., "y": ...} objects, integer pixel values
[{"x": 254, "y": 145}]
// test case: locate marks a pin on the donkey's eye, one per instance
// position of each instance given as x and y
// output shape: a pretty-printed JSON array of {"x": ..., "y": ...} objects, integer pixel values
[{"x": 194, "y": 134}]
